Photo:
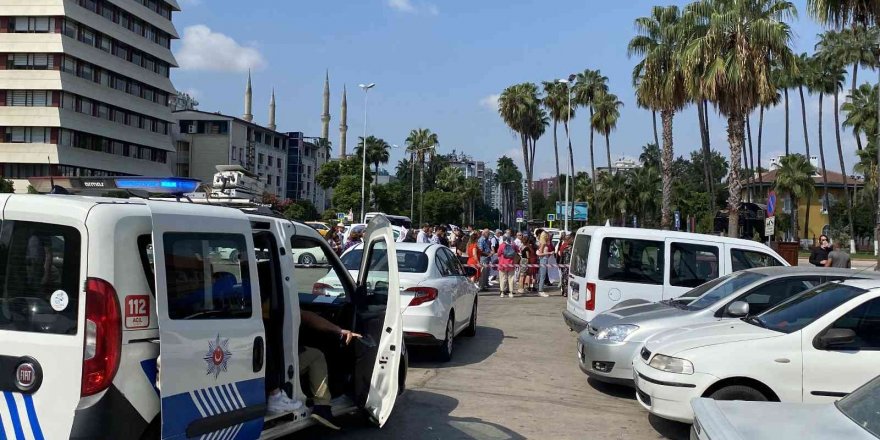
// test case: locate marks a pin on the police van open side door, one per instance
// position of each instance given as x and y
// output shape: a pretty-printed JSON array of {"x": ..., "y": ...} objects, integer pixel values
[
  {"x": 212, "y": 347},
  {"x": 378, "y": 319}
]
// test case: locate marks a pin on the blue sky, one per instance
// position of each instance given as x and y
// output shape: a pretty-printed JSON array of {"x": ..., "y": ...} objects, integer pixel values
[{"x": 438, "y": 64}]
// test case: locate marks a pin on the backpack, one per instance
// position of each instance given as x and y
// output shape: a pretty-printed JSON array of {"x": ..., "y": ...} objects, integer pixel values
[{"x": 509, "y": 251}]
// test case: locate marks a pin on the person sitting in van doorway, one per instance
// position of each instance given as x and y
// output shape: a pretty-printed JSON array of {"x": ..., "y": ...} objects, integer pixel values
[{"x": 819, "y": 255}]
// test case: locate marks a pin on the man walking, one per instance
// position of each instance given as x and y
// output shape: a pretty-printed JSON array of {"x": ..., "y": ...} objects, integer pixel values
[{"x": 425, "y": 234}]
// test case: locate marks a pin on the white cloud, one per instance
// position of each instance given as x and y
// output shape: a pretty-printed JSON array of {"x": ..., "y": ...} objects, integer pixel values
[
  {"x": 490, "y": 102},
  {"x": 204, "y": 49},
  {"x": 408, "y": 7}
]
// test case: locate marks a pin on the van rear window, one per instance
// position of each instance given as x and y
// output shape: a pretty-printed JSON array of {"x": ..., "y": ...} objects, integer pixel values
[
  {"x": 580, "y": 250},
  {"x": 39, "y": 277},
  {"x": 631, "y": 261}
]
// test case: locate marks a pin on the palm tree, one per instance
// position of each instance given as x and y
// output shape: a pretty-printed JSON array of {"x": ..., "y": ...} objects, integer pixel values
[
  {"x": 450, "y": 179},
  {"x": 605, "y": 119},
  {"x": 421, "y": 144},
  {"x": 650, "y": 156},
  {"x": 613, "y": 195},
  {"x": 471, "y": 192},
  {"x": 659, "y": 82},
  {"x": 861, "y": 111},
  {"x": 519, "y": 107},
  {"x": 833, "y": 67},
  {"x": 770, "y": 101},
  {"x": 588, "y": 85},
  {"x": 843, "y": 12},
  {"x": 378, "y": 151},
  {"x": 556, "y": 102},
  {"x": 645, "y": 182},
  {"x": 795, "y": 178},
  {"x": 737, "y": 44},
  {"x": 828, "y": 79},
  {"x": 782, "y": 78}
]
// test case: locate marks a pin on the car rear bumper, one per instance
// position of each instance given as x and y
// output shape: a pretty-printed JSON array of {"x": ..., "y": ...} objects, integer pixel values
[
  {"x": 424, "y": 323},
  {"x": 573, "y": 322}
]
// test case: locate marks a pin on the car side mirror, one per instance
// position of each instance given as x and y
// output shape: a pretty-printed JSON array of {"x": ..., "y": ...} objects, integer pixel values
[
  {"x": 836, "y": 336},
  {"x": 738, "y": 309},
  {"x": 470, "y": 271}
]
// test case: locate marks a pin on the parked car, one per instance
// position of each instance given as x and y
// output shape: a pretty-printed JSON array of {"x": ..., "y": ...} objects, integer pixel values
[
  {"x": 620, "y": 266},
  {"x": 814, "y": 348},
  {"x": 606, "y": 348},
  {"x": 855, "y": 417},
  {"x": 399, "y": 232},
  {"x": 439, "y": 301},
  {"x": 322, "y": 228}
]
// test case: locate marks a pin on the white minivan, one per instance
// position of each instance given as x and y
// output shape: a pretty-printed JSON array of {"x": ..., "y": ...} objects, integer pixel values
[{"x": 613, "y": 267}]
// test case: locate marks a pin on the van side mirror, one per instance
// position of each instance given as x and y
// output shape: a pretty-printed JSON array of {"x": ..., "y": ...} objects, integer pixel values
[
  {"x": 470, "y": 271},
  {"x": 836, "y": 336},
  {"x": 738, "y": 309}
]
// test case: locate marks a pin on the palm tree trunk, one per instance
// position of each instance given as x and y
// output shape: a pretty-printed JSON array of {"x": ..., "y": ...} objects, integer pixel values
[
  {"x": 822, "y": 162},
  {"x": 570, "y": 155},
  {"x": 702, "y": 116},
  {"x": 855, "y": 74},
  {"x": 421, "y": 191},
  {"x": 786, "y": 120},
  {"x": 763, "y": 196},
  {"x": 608, "y": 148},
  {"x": 849, "y": 207},
  {"x": 412, "y": 185},
  {"x": 735, "y": 139},
  {"x": 592, "y": 152},
  {"x": 654, "y": 118},
  {"x": 556, "y": 156},
  {"x": 794, "y": 217},
  {"x": 807, "y": 145},
  {"x": 751, "y": 169},
  {"x": 666, "y": 164},
  {"x": 525, "y": 148}
]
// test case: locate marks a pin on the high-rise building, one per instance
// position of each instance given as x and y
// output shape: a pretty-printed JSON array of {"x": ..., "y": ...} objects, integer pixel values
[
  {"x": 304, "y": 160},
  {"x": 85, "y": 88},
  {"x": 546, "y": 186}
]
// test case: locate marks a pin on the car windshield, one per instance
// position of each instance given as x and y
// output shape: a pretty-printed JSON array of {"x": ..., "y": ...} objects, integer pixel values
[
  {"x": 407, "y": 261},
  {"x": 713, "y": 291},
  {"x": 863, "y": 406},
  {"x": 800, "y": 311}
]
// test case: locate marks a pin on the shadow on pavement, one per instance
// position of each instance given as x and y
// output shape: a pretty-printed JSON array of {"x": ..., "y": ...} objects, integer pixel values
[
  {"x": 615, "y": 390},
  {"x": 466, "y": 350},
  {"x": 417, "y": 415},
  {"x": 669, "y": 429}
]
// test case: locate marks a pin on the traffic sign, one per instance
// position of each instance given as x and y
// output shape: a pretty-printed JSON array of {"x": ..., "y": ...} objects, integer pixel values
[
  {"x": 340, "y": 216},
  {"x": 771, "y": 204},
  {"x": 551, "y": 217},
  {"x": 520, "y": 220},
  {"x": 677, "y": 216},
  {"x": 769, "y": 226}
]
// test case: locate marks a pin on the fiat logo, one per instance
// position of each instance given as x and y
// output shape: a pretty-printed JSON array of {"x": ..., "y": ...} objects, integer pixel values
[{"x": 25, "y": 376}]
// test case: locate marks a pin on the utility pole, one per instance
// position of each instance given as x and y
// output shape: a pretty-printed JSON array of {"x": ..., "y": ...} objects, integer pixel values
[{"x": 877, "y": 175}]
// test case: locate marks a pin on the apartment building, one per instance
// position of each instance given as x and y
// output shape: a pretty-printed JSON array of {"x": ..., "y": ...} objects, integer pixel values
[{"x": 85, "y": 88}]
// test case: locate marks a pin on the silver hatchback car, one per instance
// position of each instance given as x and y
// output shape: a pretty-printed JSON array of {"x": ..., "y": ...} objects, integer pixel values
[{"x": 607, "y": 346}]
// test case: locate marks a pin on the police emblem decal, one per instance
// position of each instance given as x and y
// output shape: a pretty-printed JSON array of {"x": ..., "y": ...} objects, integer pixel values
[{"x": 217, "y": 356}]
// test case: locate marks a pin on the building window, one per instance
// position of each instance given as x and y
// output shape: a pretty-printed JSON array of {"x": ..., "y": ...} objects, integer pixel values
[
  {"x": 34, "y": 24},
  {"x": 29, "y": 61},
  {"x": 29, "y": 98},
  {"x": 269, "y": 163},
  {"x": 28, "y": 134}
]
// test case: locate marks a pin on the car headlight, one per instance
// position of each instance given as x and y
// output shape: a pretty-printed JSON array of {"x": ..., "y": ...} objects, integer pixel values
[
  {"x": 616, "y": 333},
  {"x": 672, "y": 364}
]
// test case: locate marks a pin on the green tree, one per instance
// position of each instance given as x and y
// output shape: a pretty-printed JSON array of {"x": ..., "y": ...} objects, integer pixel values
[
  {"x": 519, "y": 107},
  {"x": 644, "y": 184},
  {"x": 659, "y": 80},
  {"x": 329, "y": 174},
  {"x": 347, "y": 193},
  {"x": 607, "y": 108},
  {"x": 589, "y": 84},
  {"x": 735, "y": 47},
  {"x": 6, "y": 186},
  {"x": 861, "y": 111},
  {"x": 441, "y": 207},
  {"x": 378, "y": 151},
  {"x": 302, "y": 210},
  {"x": 556, "y": 101},
  {"x": 450, "y": 179},
  {"x": 613, "y": 197},
  {"x": 795, "y": 178},
  {"x": 421, "y": 144},
  {"x": 843, "y": 12}
]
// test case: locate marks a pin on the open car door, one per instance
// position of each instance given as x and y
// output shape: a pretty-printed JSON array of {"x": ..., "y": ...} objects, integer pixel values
[
  {"x": 211, "y": 336},
  {"x": 378, "y": 319}
]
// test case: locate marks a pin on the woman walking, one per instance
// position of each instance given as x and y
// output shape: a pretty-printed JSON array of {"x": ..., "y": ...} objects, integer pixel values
[
  {"x": 544, "y": 254},
  {"x": 563, "y": 255},
  {"x": 526, "y": 271},
  {"x": 473, "y": 254}
]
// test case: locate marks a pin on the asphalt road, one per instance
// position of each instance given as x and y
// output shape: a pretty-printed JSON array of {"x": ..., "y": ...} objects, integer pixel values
[{"x": 518, "y": 378}]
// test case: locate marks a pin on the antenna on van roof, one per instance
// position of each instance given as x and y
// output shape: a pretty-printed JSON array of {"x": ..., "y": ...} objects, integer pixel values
[{"x": 54, "y": 188}]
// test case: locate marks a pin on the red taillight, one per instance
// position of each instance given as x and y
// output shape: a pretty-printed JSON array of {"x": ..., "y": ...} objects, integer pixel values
[
  {"x": 320, "y": 289},
  {"x": 103, "y": 339},
  {"x": 591, "y": 297},
  {"x": 422, "y": 295}
]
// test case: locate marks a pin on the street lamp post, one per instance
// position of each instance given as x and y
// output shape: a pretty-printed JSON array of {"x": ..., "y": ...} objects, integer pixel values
[
  {"x": 366, "y": 88},
  {"x": 567, "y": 208}
]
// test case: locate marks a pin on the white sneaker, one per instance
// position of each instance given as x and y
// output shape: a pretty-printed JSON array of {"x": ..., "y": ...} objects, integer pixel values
[
  {"x": 543, "y": 295},
  {"x": 280, "y": 404},
  {"x": 510, "y": 295}
]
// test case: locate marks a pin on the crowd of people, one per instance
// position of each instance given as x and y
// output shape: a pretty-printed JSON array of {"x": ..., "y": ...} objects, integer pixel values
[{"x": 518, "y": 262}]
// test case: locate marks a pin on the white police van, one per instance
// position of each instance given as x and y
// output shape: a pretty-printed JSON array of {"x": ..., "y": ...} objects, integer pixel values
[{"x": 93, "y": 290}]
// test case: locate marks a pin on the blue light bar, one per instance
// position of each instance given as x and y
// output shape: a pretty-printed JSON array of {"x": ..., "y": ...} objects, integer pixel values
[{"x": 159, "y": 185}]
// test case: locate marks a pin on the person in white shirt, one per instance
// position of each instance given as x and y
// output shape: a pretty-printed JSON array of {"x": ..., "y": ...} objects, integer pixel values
[{"x": 425, "y": 234}]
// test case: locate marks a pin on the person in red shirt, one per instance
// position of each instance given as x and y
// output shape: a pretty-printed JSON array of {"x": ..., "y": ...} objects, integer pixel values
[{"x": 508, "y": 254}]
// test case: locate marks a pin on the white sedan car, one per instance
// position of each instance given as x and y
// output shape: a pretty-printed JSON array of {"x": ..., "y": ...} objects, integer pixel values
[{"x": 439, "y": 301}]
